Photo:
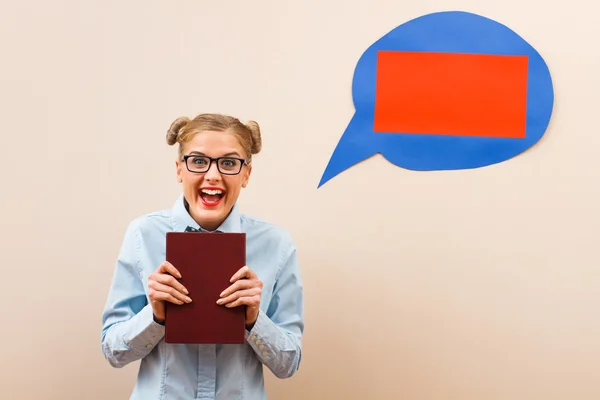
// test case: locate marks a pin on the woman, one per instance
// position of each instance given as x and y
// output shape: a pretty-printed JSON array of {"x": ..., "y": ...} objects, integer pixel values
[{"x": 214, "y": 163}]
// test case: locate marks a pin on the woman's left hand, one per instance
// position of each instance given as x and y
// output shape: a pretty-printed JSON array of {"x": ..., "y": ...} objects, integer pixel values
[{"x": 246, "y": 289}]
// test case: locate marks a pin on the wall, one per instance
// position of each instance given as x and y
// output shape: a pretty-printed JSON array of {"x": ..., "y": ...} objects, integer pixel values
[{"x": 478, "y": 284}]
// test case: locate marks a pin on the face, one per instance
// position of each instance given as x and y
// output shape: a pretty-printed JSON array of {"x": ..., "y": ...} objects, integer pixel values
[{"x": 211, "y": 195}]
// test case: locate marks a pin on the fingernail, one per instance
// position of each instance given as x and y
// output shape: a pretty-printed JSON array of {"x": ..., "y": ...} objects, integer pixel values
[
  {"x": 222, "y": 293},
  {"x": 220, "y": 301},
  {"x": 188, "y": 299},
  {"x": 185, "y": 291}
]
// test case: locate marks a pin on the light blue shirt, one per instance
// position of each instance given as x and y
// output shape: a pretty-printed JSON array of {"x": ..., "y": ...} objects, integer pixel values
[{"x": 221, "y": 372}]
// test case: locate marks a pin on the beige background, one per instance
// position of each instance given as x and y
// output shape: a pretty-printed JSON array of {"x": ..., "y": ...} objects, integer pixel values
[{"x": 479, "y": 284}]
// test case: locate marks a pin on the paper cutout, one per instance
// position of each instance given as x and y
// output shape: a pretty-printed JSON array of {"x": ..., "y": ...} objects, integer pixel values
[
  {"x": 463, "y": 139},
  {"x": 451, "y": 94}
]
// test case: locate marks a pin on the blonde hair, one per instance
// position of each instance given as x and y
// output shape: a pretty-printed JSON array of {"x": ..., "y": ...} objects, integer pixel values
[{"x": 183, "y": 129}]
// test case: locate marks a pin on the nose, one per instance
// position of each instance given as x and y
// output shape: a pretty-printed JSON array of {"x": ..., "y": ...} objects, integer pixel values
[{"x": 213, "y": 172}]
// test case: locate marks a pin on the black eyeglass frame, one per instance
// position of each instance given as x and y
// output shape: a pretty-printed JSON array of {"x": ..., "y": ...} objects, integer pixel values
[{"x": 215, "y": 160}]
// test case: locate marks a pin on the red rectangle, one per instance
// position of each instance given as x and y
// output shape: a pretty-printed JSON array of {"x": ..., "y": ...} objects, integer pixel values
[
  {"x": 451, "y": 94},
  {"x": 206, "y": 261}
]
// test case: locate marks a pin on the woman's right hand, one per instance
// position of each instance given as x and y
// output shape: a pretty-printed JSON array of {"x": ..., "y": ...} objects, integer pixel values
[{"x": 162, "y": 286}]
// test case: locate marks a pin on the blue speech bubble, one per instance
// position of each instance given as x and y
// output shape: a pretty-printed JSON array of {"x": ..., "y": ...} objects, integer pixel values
[{"x": 450, "y": 32}]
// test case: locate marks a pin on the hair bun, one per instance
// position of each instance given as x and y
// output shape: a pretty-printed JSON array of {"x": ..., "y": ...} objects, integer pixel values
[
  {"x": 175, "y": 128},
  {"x": 256, "y": 138}
]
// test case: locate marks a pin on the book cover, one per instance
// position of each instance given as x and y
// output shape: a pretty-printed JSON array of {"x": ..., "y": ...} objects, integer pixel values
[{"x": 206, "y": 261}]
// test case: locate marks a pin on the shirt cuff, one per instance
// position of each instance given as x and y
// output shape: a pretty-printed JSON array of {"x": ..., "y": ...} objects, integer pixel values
[
  {"x": 263, "y": 337},
  {"x": 145, "y": 333}
]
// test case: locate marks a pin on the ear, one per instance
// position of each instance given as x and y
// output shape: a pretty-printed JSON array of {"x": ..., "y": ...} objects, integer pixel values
[
  {"x": 178, "y": 166},
  {"x": 247, "y": 176}
]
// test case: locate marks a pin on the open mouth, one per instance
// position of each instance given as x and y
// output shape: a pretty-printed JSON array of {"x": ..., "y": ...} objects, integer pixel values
[{"x": 211, "y": 197}]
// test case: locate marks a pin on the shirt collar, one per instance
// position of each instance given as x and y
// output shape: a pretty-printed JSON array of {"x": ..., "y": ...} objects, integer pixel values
[{"x": 181, "y": 219}]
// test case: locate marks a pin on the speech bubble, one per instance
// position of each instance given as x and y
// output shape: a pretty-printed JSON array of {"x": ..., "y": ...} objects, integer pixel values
[{"x": 445, "y": 91}]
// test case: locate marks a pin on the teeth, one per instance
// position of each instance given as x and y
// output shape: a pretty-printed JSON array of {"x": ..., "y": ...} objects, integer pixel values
[{"x": 212, "y": 192}]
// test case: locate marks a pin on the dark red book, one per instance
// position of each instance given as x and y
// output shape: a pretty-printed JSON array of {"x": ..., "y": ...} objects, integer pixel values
[{"x": 206, "y": 261}]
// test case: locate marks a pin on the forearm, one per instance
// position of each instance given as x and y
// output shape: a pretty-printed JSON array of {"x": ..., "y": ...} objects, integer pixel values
[
  {"x": 275, "y": 347},
  {"x": 130, "y": 340}
]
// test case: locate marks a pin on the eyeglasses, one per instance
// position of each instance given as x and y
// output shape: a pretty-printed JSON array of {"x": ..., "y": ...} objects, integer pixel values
[{"x": 225, "y": 165}]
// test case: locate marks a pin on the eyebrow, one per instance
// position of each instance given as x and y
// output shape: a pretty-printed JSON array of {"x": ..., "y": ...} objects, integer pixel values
[{"x": 231, "y": 153}]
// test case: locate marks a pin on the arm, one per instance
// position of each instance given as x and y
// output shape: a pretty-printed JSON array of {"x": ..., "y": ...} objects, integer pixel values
[
  {"x": 129, "y": 331},
  {"x": 276, "y": 336}
]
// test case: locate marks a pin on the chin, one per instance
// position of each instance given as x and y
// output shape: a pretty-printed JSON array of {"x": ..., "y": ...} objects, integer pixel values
[
  {"x": 209, "y": 219},
  {"x": 212, "y": 212}
]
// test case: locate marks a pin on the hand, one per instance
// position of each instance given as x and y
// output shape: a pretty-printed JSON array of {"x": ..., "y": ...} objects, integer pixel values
[
  {"x": 245, "y": 290},
  {"x": 162, "y": 286}
]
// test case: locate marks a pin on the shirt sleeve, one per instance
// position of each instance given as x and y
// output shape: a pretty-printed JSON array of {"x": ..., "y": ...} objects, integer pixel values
[
  {"x": 276, "y": 337},
  {"x": 129, "y": 331}
]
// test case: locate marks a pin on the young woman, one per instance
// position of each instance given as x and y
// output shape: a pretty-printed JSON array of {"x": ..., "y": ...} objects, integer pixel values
[{"x": 214, "y": 163}]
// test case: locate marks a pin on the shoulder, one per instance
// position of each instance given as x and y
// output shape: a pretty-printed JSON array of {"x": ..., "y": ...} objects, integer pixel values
[
  {"x": 272, "y": 242},
  {"x": 260, "y": 229},
  {"x": 152, "y": 222}
]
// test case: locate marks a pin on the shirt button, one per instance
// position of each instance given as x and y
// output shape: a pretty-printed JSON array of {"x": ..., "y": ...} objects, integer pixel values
[
  {"x": 252, "y": 337},
  {"x": 265, "y": 353},
  {"x": 257, "y": 341},
  {"x": 149, "y": 346},
  {"x": 262, "y": 346}
]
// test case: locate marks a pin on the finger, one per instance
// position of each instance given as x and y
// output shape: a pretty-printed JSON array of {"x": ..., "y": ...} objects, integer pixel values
[
  {"x": 168, "y": 268},
  {"x": 239, "y": 285},
  {"x": 253, "y": 301},
  {"x": 240, "y": 293},
  {"x": 170, "y": 281},
  {"x": 159, "y": 287},
  {"x": 244, "y": 272},
  {"x": 156, "y": 295}
]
